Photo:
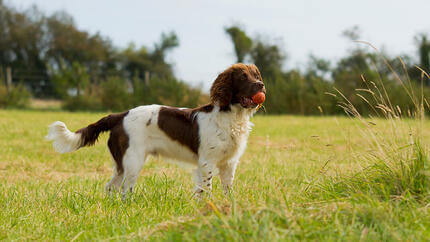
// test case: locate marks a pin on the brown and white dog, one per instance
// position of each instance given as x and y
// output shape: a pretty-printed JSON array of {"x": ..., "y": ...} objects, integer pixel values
[{"x": 212, "y": 137}]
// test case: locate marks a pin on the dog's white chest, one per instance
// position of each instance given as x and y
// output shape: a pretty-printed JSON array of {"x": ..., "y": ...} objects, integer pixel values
[
  {"x": 239, "y": 130},
  {"x": 224, "y": 136}
]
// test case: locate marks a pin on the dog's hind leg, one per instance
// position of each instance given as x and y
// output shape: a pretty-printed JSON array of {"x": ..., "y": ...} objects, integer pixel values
[
  {"x": 115, "y": 182},
  {"x": 133, "y": 163},
  {"x": 118, "y": 145}
]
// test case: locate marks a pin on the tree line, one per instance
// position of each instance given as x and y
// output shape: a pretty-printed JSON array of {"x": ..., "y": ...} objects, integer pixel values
[
  {"x": 48, "y": 56},
  {"x": 363, "y": 78},
  {"x": 51, "y": 58}
]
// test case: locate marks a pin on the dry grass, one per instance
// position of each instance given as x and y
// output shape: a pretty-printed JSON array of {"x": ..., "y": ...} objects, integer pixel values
[{"x": 46, "y": 104}]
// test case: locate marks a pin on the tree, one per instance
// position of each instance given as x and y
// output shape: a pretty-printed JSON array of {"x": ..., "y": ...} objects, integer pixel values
[
  {"x": 167, "y": 43},
  {"x": 138, "y": 61},
  {"x": 22, "y": 46},
  {"x": 159, "y": 66},
  {"x": 68, "y": 44},
  {"x": 353, "y": 33},
  {"x": 241, "y": 42},
  {"x": 135, "y": 61},
  {"x": 423, "y": 44},
  {"x": 268, "y": 57},
  {"x": 66, "y": 77}
]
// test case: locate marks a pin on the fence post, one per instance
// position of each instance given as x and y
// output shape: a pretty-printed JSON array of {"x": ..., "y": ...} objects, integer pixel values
[
  {"x": 8, "y": 79},
  {"x": 147, "y": 78}
]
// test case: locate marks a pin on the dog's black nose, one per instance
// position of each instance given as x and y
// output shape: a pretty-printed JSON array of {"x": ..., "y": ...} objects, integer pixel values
[{"x": 260, "y": 84}]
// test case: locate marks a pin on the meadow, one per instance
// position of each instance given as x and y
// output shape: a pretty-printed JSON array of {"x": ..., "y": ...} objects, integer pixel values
[{"x": 301, "y": 178}]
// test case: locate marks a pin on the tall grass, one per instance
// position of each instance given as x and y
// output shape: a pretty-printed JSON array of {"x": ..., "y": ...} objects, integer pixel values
[{"x": 398, "y": 165}]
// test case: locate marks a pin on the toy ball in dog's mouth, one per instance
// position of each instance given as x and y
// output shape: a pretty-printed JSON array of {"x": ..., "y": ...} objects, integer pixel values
[{"x": 259, "y": 97}]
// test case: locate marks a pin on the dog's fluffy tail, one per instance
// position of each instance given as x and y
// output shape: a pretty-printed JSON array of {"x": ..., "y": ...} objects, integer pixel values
[{"x": 66, "y": 141}]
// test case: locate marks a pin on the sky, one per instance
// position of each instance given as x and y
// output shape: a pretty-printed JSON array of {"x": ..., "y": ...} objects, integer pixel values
[{"x": 301, "y": 27}]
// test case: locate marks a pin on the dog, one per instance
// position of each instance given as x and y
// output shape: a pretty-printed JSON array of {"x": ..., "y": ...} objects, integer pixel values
[{"x": 212, "y": 137}]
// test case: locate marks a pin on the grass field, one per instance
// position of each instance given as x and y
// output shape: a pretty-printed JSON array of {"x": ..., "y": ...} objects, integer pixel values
[{"x": 311, "y": 178}]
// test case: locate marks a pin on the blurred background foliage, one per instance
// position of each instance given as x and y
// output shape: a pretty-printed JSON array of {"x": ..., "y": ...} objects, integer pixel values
[{"x": 48, "y": 57}]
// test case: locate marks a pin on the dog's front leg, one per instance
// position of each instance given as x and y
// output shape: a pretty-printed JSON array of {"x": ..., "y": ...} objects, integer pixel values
[
  {"x": 226, "y": 174},
  {"x": 204, "y": 176}
]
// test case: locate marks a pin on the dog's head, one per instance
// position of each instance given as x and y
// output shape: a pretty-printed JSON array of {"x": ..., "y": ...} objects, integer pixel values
[{"x": 237, "y": 85}]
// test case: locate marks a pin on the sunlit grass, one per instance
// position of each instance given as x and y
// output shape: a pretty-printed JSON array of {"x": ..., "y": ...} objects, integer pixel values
[{"x": 300, "y": 178}]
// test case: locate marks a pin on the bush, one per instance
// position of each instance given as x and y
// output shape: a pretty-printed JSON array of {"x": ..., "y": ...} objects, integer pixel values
[
  {"x": 115, "y": 95},
  {"x": 169, "y": 91},
  {"x": 18, "y": 97},
  {"x": 82, "y": 103}
]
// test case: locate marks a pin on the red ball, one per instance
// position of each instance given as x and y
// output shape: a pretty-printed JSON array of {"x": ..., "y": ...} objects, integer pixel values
[{"x": 259, "y": 97}]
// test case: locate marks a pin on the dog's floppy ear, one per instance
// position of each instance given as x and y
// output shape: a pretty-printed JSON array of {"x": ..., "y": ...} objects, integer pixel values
[
  {"x": 222, "y": 89},
  {"x": 255, "y": 69}
]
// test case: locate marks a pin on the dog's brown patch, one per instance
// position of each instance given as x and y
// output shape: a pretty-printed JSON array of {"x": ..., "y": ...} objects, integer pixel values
[
  {"x": 118, "y": 139},
  {"x": 181, "y": 124},
  {"x": 118, "y": 143}
]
